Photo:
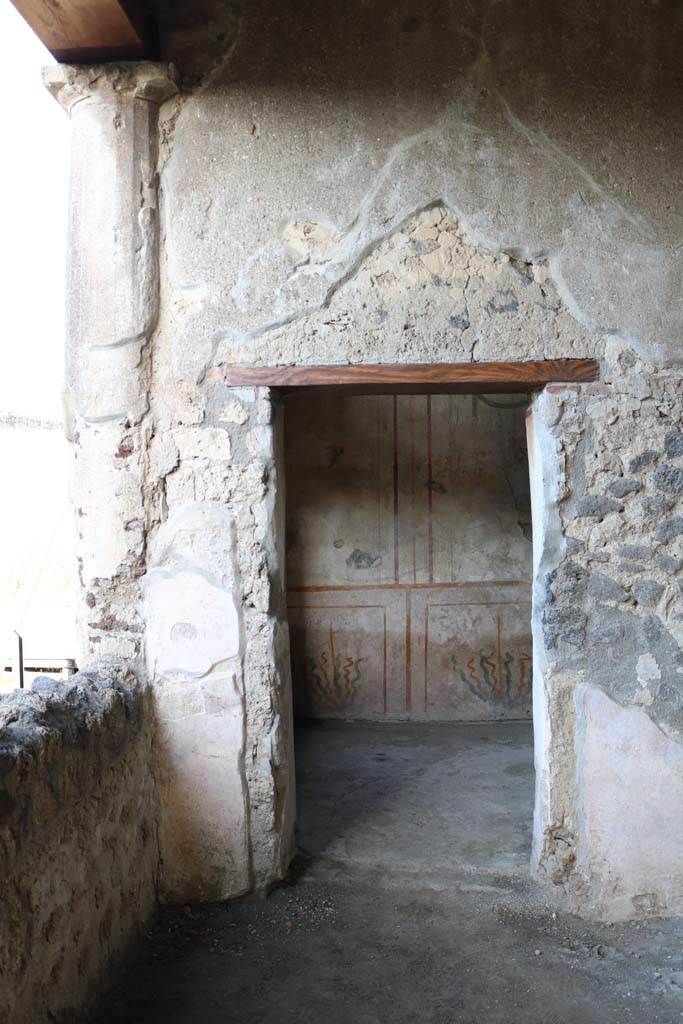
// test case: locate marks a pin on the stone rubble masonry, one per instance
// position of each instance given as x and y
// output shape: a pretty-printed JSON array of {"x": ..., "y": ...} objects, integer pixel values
[
  {"x": 217, "y": 649},
  {"x": 356, "y": 200},
  {"x": 608, "y": 658},
  {"x": 216, "y": 638},
  {"x": 78, "y": 839}
]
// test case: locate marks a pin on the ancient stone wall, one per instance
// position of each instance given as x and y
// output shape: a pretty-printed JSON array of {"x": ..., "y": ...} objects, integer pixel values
[
  {"x": 365, "y": 183},
  {"x": 608, "y": 615},
  {"x": 217, "y": 642},
  {"x": 78, "y": 839},
  {"x": 373, "y": 183}
]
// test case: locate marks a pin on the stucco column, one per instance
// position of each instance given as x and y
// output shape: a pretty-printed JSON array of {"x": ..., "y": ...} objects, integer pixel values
[
  {"x": 112, "y": 310},
  {"x": 217, "y": 645}
]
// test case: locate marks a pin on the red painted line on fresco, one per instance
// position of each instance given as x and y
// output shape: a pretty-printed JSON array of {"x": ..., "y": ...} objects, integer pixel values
[
  {"x": 426, "y": 651},
  {"x": 412, "y": 490},
  {"x": 409, "y": 668},
  {"x": 463, "y": 584},
  {"x": 379, "y": 450},
  {"x": 430, "y": 503},
  {"x": 396, "y": 564},
  {"x": 477, "y": 604},
  {"x": 333, "y": 607},
  {"x": 385, "y": 661}
]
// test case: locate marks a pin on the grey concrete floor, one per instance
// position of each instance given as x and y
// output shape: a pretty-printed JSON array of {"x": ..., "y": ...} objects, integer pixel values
[
  {"x": 424, "y": 801},
  {"x": 410, "y": 902}
]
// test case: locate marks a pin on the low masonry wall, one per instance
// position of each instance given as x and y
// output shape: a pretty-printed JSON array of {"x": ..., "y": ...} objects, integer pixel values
[{"x": 78, "y": 839}]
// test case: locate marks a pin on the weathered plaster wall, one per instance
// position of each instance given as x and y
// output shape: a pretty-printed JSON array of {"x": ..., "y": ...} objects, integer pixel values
[
  {"x": 217, "y": 643},
  {"x": 112, "y": 310},
  {"x": 608, "y": 662},
  {"x": 372, "y": 183},
  {"x": 78, "y": 839},
  {"x": 359, "y": 182},
  {"x": 327, "y": 130},
  {"x": 161, "y": 473},
  {"x": 409, "y": 556}
]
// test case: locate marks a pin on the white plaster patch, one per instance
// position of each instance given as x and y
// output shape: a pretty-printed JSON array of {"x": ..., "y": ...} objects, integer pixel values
[
  {"x": 233, "y": 412},
  {"x": 309, "y": 239},
  {"x": 191, "y": 624},
  {"x": 198, "y": 535},
  {"x": 203, "y": 817},
  {"x": 163, "y": 454},
  {"x": 647, "y": 670},
  {"x": 202, "y": 443},
  {"x": 630, "y": 793}
]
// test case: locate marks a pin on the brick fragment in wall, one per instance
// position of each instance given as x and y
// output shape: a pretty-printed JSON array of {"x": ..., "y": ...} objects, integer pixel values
[
  {"x": 564, "y": 624},
  {"x": 656, "y": 505},
  {"x": 631, "y": 567},
  {"x": 669, "y": 564},
  {"x": 637, "y": 552}
]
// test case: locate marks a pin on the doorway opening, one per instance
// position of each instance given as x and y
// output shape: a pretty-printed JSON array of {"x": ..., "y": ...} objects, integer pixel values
[{"x": 408, "y": 569}]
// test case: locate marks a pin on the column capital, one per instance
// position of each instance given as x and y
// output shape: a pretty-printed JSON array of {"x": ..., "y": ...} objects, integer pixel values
[{"x": 144, "y": 80}]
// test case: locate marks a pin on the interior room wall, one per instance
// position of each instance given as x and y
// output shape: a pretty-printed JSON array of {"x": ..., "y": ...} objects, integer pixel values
[{"x": 409, "y": 556}]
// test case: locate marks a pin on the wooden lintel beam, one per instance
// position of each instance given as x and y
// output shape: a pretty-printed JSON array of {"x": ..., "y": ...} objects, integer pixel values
[
  {"x": 414, "y": 378},
  {"x": 90, "y": 31}
]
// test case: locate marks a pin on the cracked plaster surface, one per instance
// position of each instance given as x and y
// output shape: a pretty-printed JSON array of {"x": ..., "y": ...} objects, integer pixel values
[
  {"x": 368, "y": 182},
  {"x": 364, "y": 182},
  {"x": 291, "y": 169}
]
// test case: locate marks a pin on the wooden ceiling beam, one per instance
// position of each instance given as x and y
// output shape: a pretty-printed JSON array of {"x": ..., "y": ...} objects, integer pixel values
[
  {"x": 412, "y": 378},
  {"x": 91, "y": 31}
]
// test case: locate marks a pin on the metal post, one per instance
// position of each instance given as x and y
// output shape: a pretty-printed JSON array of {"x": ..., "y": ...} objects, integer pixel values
[{"x": 19, "y": 659}]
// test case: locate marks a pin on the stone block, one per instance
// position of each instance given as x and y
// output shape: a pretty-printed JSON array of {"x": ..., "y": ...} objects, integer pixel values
[
  {"x": 647, "y": 592},
  {"x": 596, "y": 506},
  {"x": 604, "y": 588}
]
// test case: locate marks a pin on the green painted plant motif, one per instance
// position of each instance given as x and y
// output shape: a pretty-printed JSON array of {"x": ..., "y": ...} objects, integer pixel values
[
  {"x": 332, "y": 681},
  {"x": 498, "y": 677}
]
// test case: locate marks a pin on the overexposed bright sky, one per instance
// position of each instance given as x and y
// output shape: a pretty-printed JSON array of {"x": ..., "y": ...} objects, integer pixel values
[{"x": 33, "y": 205}]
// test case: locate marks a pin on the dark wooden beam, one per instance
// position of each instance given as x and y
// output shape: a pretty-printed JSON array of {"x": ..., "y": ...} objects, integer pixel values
[
  {"x": 413, "y": 378},
  {"x": 90, "y": 31}
]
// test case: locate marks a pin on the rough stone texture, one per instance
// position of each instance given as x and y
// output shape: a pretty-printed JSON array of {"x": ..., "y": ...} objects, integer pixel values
[
  {"x": 321, "y": 142},
  {"x": 217, "y": 642},
  {"x": 364, "y": 182},
  {"x": 78, "y": 839},
  {"x": 612, "y": 631}
]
